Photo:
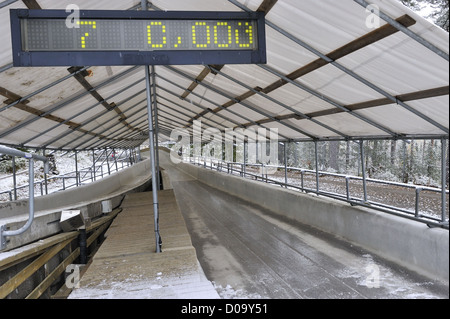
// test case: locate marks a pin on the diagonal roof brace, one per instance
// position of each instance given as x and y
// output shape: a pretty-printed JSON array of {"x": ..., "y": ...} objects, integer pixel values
[
  {"x": 406, "y": 31},
  {"x": 346, "y": 70},
  {"x": 257, "y": 110},
  {"x": 266, "y": 96},
  {"x": 214, "y": 103}
]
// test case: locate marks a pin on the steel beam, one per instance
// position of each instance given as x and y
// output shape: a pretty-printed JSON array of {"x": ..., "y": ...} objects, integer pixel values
[
  {"x": 245, "y": 105},
  {"x": 266, "y": 96},
  {"x": 347, "y": 71},
  {"x": 406, "y": 31}
]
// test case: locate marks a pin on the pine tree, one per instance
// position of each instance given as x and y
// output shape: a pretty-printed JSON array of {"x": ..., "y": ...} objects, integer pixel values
[{"x": 440, "y": 12}]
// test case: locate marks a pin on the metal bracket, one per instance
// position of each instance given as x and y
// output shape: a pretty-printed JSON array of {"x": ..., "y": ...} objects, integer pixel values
[
  {"x": 444, "y": 225},
  {"x": 3, "y": 240}
]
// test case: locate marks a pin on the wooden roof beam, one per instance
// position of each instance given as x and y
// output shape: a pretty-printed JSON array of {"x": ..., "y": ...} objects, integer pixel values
[{"x": 441, "y": 91}]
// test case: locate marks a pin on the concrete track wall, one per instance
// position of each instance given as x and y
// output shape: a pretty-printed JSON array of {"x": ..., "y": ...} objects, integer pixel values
[
  {"x": 86, "y": 198},
  {"x": 405, "y": 242}
]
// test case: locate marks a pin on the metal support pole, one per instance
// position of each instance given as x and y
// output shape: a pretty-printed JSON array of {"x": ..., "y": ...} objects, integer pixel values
[
  {"x": 317, "y": 166},
  {"x": 444, "y": 177},
  {"x": 24, "y": 228},
  {"x": 153, "y": 160},
  {"x": 245, "y": 158},
  {"x": 93, "y": 164},
  {"x": 76, "y": 168},
  {"x": 302, "y": 173},
  {"x": 363, "y": 168},
  {"x": 115, "y": 159},
  {"x": 82, "y": 240},
  {"x": 14, "y": 177},
  {"x": 407, "y": 31},
  {"x": 3, "y": 229},
  {"x": 152, "y": 149},
  {"x": 155, "y": 104},
  {"x": 45, "y": 176},
  {"x": 107, "y": 161},
  {"x": 285, "y": 164}
]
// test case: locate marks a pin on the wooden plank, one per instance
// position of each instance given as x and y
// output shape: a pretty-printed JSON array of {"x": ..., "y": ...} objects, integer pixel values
[
  {"x": 441, "y": 91},
  {"x": 34, "y": 249},
  {"x": 347, "y": 49},
  {"x": 200, "y": 78},
  {"x": 266, "y": 6},
  {"x": 43, "y": 286},
  {"x": 32, "y": 4},
  {"x": 12, "y": 97},
  {"x": 364, "y": 41},
  {"x": 46, "y": 283},
  {"x": 128, "y": 254},
  {"x": 19, "y": 278}
]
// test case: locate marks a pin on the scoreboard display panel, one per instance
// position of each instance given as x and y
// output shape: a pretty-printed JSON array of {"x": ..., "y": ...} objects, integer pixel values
[{"x": 47, "y": 38}]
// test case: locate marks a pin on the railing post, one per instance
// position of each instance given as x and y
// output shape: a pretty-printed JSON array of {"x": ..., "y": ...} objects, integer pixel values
[
  {"x": 363, "y": 169},
  {"x": 107, "y": 161},
  {"x": 3, "y": 232},
  {"x": 285, "y": 165},
  {"x": 45, "y": 176},
  {"x": 14, "y": 177},
  {"x": 317, "y": 166},
  {"x": 347, "y": 186},
  {"x": 93, "y": 164},
  {"x": 76, "y": 168},
  {"x": 152, "y": 152},
  {"x": 245, "y": 158},
  {"x": 444, "y": 178},
  {"x": 416, "y": 211},
  {"x": 302, "y": 180},
  {"x": 115, "y": 159}
]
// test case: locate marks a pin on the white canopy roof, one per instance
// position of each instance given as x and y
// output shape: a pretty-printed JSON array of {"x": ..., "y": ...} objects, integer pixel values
[{"x": 330, "y": 75}]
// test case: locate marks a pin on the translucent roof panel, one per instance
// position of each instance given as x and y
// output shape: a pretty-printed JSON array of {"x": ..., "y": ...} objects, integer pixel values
[{"x": 329, "y": 75}]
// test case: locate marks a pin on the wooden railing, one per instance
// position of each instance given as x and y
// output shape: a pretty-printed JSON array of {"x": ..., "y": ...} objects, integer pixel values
[{"x": 46, "y": 249}]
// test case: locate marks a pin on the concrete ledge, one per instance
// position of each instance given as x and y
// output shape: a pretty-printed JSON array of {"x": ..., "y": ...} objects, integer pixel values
[
  {"x": 86, "y": 198},
  {"x": 405, "y": 242}
]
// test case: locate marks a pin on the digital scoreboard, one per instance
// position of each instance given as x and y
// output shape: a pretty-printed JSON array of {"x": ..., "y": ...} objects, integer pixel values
[{"x": 53, "y": 38}]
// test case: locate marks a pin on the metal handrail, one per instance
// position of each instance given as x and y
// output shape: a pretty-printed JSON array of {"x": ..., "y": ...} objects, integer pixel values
[
  {"x": 30, "y": 157},
  {"x": 67, "y": 176},
  {"x": 240, "y": 168}
]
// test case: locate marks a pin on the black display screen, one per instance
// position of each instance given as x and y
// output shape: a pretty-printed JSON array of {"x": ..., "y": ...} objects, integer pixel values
[
  {"x": 104, "y": 37},
  {"x": 138, "y": 35}
]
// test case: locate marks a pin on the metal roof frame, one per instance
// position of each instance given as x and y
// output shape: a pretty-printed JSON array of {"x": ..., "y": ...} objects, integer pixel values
[{"x": 180, "y": 110}]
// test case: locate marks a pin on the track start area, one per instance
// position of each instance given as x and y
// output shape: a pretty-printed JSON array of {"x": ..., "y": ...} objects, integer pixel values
[{"x": 127, "y": 267}]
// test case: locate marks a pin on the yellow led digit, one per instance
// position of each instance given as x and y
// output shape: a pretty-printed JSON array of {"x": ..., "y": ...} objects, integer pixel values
[
  {"x": 229, "y": 37},
  {"x": 194, "y": 35},
  {"x": 163, "y": 41},
  {"x": 248, "y": 31},
  {"x": 93, "y": 25}
]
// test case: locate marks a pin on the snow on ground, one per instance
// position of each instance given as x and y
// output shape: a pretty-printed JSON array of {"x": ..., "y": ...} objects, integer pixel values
[
  {"x": 430, "y": 202},
  {"x": 65, "y": 166}
]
